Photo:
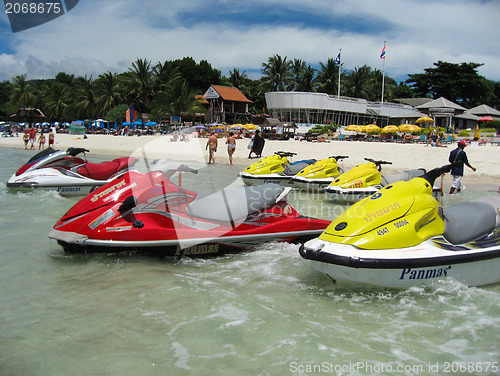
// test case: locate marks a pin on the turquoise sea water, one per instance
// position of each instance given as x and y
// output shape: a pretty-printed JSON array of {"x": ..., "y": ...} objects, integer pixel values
[{"x": 264, "y": 312}]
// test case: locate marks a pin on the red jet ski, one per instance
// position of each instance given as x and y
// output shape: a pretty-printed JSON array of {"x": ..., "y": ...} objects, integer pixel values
[
  {"x": 150, "y": 214},
  {"x": 66, "y": 172}
]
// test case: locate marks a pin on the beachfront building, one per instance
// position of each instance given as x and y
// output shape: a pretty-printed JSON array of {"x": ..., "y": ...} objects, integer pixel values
[
  {"x": 307, "y": 109},
  {"x": 444, "y": 112},
  {"x": 226, "y": 105}
]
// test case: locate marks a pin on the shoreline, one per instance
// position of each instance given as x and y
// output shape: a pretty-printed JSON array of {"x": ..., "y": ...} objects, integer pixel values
[{"x": 402, "y": 156}]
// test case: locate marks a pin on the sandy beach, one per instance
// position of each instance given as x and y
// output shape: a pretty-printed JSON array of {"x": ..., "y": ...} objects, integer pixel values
[{"x": 403, "y": 156}]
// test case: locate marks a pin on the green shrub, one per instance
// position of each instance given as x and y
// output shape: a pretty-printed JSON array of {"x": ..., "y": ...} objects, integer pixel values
[{"x": 464, "y": 133}]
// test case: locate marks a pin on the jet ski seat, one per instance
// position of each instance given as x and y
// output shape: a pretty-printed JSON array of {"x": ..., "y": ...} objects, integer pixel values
[
  {"x": 468, "y": 221},
  {"x": 234, "y": 205},
  {"x": 404, "y": 176},
  {"x": 294, "y": 168},
  {"x": 104, "y": 170}
]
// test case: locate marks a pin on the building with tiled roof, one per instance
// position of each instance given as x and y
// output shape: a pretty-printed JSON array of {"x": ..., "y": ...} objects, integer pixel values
[{"x": 227, "y": 105}]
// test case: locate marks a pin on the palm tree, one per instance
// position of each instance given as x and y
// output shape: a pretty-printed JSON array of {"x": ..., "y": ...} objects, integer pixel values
[
  {"x": 165, "y": 74},
  {"x": 86, "y": 96},
  {"x": 108, "y": 92},
  {"x": 21, "y": 91},
  {"x": 306, "y": 79},
  {"x": 238, "y": 79},
  {"x": 276, "y": 73},
  {"x": 56, "y": 100},
  {"x": 328, "y": 77},
  {"x": 176, "y": 100},
  {"x": 297, "y": 68},
  {"x": 141, "y": 83},
  {"x": 359, "y": 82}
]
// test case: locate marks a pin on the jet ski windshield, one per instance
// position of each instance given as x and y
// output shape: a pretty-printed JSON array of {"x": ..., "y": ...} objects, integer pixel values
[{"x": 41, "y": 155}]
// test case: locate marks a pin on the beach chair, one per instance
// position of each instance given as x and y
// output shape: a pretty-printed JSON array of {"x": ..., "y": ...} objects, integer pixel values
[
  {"x": 449, "y": 140},
  {"x": 341, "y": 137},
  {"x": 422, "y": 139}
]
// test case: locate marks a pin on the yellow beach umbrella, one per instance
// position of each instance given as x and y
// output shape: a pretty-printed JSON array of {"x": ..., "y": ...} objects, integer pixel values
[
  {"x": 250, "y": 126},
  {"x": 390, "y": 129},
  {"x": 354, "y": 128},
  {"x": 372, "y": 128},
  {"x": 476, "y": 133},
  {"x": 425, "y": 119},
  {"x": 409, "y": 128}
]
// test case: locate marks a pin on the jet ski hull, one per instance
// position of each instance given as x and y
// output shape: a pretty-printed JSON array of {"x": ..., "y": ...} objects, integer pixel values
[
  {"x": 76, "y": 243},
  {"x": 350, "y": 195},
  {"x": 314, "y": 185},
  {"x": 252, "y": 179},
  {"x": 65, "y": 183},
  {"x": 431, "y": 261}
]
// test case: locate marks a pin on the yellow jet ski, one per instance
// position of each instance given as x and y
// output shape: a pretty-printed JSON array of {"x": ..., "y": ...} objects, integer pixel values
[
  {"x": 400, "y": 237},
  {"x": 317, "y": 176},
  {"x": 276, "y": 169},
  {"x": 364, "y": 180}
]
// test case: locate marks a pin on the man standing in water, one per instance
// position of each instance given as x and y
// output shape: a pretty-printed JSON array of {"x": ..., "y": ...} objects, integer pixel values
[
  {"x": 459, "y": 158},
  {"x": 212, "y": 148}
]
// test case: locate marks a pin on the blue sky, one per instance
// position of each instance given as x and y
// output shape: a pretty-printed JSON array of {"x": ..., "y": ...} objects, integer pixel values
[{"x": 98, "y": 36}]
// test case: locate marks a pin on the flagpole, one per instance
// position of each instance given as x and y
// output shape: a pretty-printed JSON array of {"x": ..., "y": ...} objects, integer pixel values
[
  {"x": 340, "y": 72},
  {"x": 383, "y": 75}
]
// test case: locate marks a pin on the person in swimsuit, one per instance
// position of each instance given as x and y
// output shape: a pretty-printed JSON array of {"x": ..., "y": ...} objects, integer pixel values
[
  {"x": 212, "y": 143},
  {"x": 26, "y": 138},
  {"x": 51, "y": 139},
  {"x": 41, "y": 141},
  {"x": 231, "y": 146}
]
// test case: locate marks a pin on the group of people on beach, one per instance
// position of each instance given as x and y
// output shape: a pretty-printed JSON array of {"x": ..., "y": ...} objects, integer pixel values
[
  {"x": 256, "y": 145},
  {"x": 29, "y": 137}
]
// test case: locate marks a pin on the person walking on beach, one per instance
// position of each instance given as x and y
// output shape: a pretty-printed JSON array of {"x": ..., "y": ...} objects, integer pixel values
[
  {"x": 26, "y": 139},
  {"x": 231, "y": 146},
  {"x": 212, "y": 146},
  {"x": 41, "y": 141},
  {"x": 458, "y": 157},
  {"x": 257, "y": 144},
  {"x": 32, "y": 138},
  {"x": 51, "y": 138}
]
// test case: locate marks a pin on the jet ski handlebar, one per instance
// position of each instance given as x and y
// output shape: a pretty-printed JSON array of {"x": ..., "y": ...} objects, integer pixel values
[
  {"x": 75, "y": 151},
  {"x": 337, "y": 157},
  {"x": 185, "y": 168},
  {"x": 285, "y": 153},
  {"x": 378, "y": 163},
  {"x": 433, "y": 174}
]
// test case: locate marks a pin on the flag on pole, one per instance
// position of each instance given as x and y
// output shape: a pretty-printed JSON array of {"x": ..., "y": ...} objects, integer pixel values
[
  {"x": 130, "y": 114},
  {"x": 337, "y": 60},
  {"x": 382, "y": 55}
]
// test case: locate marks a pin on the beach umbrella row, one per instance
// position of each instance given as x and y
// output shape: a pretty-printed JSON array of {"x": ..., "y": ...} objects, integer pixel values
[{"x": 373, "y": 128}]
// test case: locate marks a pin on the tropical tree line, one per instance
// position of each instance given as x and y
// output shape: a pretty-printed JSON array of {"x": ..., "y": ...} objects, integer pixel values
[{"x": 171, "y": 87}]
